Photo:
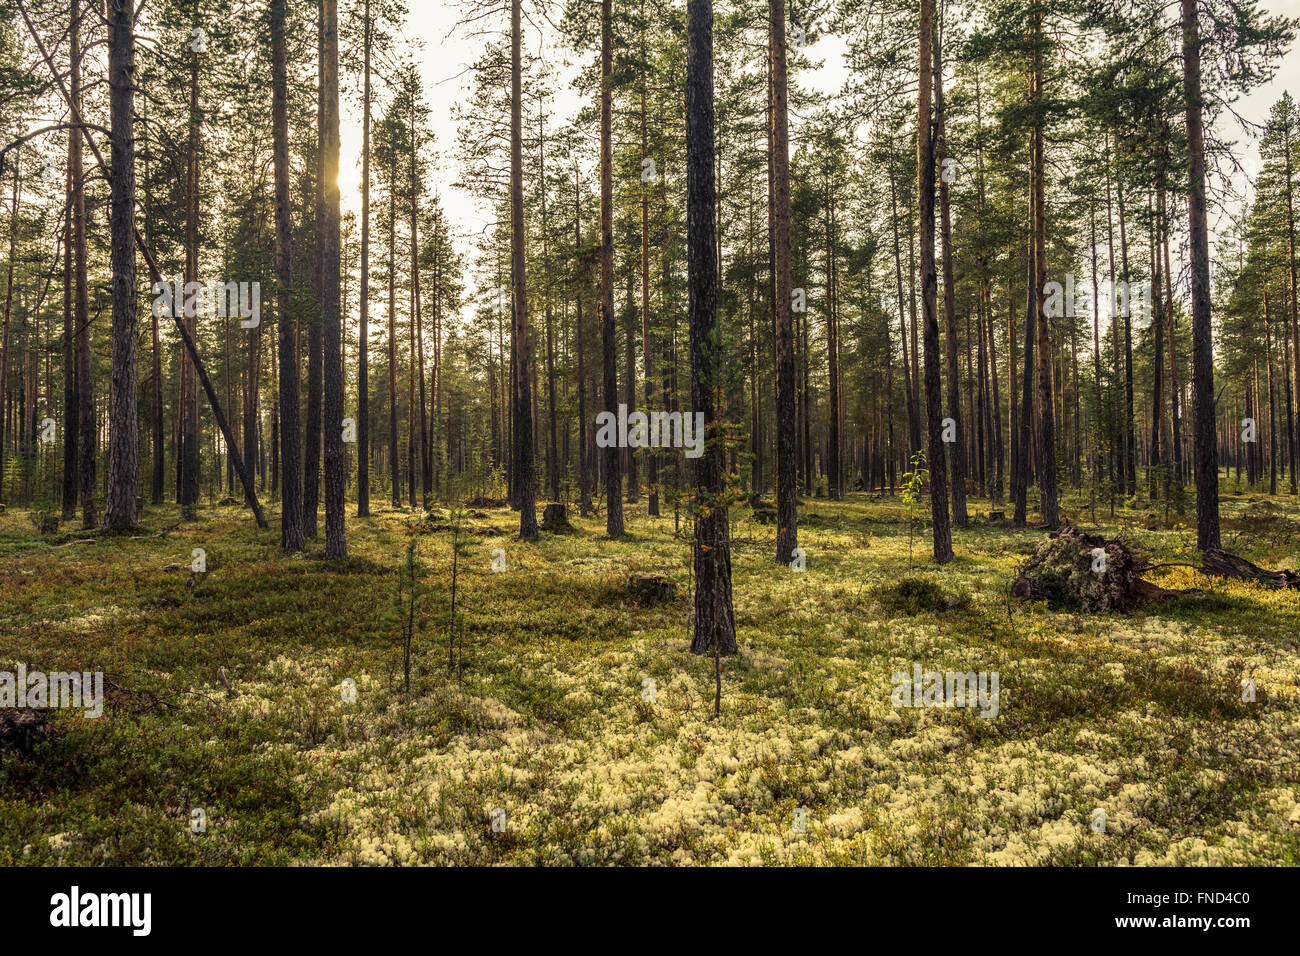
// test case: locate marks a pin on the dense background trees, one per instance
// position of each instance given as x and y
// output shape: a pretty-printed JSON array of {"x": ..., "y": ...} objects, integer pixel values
[{"x": 1019, "y": 241}]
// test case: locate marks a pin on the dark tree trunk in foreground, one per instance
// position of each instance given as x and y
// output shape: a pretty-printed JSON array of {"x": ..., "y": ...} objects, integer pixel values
[
  {"x": 123, "y": 433},
  {"x": 1205, "y": 453},
  {"x": 715, "y": 624},
  {"x": 929, "y": 294},
  {"x": 525, "y": 456},
  {"x": 291, "y": 534},
  {"x": 613, "y": 461},
  {"x": 787, "y": 535},
  {"x": 336, "y": 543}
]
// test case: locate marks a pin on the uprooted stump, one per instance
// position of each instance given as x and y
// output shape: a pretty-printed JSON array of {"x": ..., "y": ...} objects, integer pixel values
[
  {"x": 1086, "y": 572},
  {"x": 1225, "y": 564},
  {"x": 651, "y": 588},
  {"x": 22, "y": 730}
]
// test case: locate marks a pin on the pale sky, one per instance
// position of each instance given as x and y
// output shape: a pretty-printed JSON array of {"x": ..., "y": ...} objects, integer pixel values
[{"x": 445, "y": 52}]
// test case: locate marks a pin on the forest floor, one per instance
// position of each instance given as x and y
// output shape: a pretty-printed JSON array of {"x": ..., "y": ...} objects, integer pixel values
[{"x": 226, "y": 697}]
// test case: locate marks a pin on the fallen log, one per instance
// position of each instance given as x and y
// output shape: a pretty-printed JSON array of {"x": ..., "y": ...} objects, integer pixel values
[{"x": 1225, "y": 564}]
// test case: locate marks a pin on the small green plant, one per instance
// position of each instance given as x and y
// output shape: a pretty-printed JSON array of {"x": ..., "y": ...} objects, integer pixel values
[{"x": 914, "y": 498}]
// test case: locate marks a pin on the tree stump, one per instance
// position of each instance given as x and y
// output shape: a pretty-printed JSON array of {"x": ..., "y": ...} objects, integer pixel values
[
  {"x": 651, "y": 588},
  {"x": 765, "y": 514},
  {"x": 21, "y": 730},
  {"x": 46, "y": 524},
  {"x": 555, "y": 518}
]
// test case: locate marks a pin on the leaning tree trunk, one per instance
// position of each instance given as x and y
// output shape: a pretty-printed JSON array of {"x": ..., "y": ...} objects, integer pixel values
[
  {"x": 187, "y": 340},
  {"x": 715, "y": 624},
  {"x": 1205, "y": 453},
  {"x": 123, "y": 432}
]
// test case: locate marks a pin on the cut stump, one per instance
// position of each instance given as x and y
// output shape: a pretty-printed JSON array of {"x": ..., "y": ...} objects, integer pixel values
[{"x": 651, "y": 588}]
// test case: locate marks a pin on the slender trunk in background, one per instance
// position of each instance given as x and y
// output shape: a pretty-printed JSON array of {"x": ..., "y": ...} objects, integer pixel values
[
  {"x": 942, "y": 533},
  {"x": 9, "y": 302},
  {"x": 88, "y": 432},
  {"x": 1205, "y": 453},
  {"x": 123, "y": 432},
  {"x": 187, "y": 491},
  {"x": 1025, "y": 436},
  {"x": 393, "y": 450},
  {"x": 553, "y": 444},
  {"x": 613, "y": 460},
  {"x": 1272, "y": 400},
  {"x": 956, "y": 448},
  {"x": 363, "y": 336},
  {"x": 647, "y": 343},
  {"x": 787, "y": 536},
  {"x": 913, "y": 413},
  {"x": 714, "y": 624},
  {"x": 1046, "y": 457},
  {"x": 291, "y": 532},
  {"x": 336, "y": 545},
  {"x": 312, "y": 453},
  {"x": 525, "y": 455},
  {"x": 1158, "y": 441},
  {"x": 584, "y": 483},
  {"x": 68, "y": 486}
]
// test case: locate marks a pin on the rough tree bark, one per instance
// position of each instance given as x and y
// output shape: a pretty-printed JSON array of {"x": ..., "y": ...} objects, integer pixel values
[
  {"x": 715, "y": 624},
  {"x": 1205, "y": 453},
  {"x": 787, "y": 532},
  {"x": 942, "y": 532}
]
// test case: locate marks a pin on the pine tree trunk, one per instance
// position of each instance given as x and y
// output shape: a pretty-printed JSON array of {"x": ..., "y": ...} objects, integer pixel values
[
  {"x": 336, "y": 545},
  {"x": 123, "y": 433},
  {"x": 613, "y": 462},
  {"x": 363, "y": 337},
  {"x": 1204, "y": 449},
  {"x": 291, "y": 530},
  {"x": 942, "y": 532},
  {"x": 787, "y": 536},
  {"x": 715, "y": 625},
  {"x": 956, "y": 448},
  {"x": 525, "y": 454}
]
